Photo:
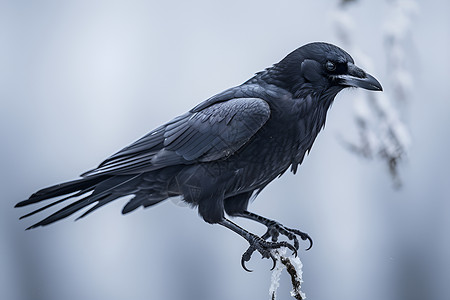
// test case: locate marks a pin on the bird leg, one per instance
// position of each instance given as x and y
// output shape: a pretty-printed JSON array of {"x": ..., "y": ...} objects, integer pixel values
[
  {"x": 256, "y": 243},
  {"x": 274, "y": 229}
]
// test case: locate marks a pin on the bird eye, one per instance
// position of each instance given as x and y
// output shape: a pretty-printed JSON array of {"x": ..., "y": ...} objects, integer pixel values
[{"x": 330, "y": 66}]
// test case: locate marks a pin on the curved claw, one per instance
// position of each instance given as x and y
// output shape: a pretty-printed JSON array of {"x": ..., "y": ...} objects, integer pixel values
[
  {"x": 246, "y": 257},
  {"x": 303, "y": 236},
  {"x": 243, "y": 264},
  {"x": 274, "y": 260},
  {"x": 310, "y": 243},
  {"x": 309, "y": 240},
  {"x": 264, "y": 247},
  {"x": 294, "y": 251},
  {"x": 274, "y": 229},
  {"x": 296, "y": 243}
]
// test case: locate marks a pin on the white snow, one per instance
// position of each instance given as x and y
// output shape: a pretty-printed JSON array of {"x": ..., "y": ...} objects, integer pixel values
[
  {"x": 276, "y": 273},
  {"x": 280, "y": 254}
]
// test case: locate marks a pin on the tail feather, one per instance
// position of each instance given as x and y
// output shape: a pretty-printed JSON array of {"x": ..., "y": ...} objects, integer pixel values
[
  {"x": 100, "y": 203},
  {"x": 148, "y": 189},
  {"x": 144, "y": 200},
  {"x": 62, "y": 189},
  {"x": 110, "y": 190},
  {"x": 64, "y": 212},
  {"x": 54, "y": 203},
  {"x": 104, "y": 191}
]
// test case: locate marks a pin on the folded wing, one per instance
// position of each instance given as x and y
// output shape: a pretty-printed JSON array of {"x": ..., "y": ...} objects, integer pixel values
[{"x": 209, "y": 134}]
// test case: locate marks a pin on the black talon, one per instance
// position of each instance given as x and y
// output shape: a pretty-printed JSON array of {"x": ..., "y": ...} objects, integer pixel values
[
  {"x": 246, "y": 257},
  {"x": 310, "y": 243},
  {"x": 305, "y": 237},
  {"x": 265, "y": 248},
  {"x": 274, "y": 229},
  {"x": 295, "y": 253},
  {"x": 243, "y": 264},
  {"x": 294, "y": 250},
  {"x": 260, "y": 244},
  {"x": 274, "y": 260}
]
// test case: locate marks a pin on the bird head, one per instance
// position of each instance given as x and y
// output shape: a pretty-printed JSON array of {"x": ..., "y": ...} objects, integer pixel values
[{"x": 320, "y": 68}]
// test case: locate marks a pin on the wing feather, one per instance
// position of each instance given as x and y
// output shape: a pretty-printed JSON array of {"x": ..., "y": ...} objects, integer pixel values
[{"x": 212, "y": 133}]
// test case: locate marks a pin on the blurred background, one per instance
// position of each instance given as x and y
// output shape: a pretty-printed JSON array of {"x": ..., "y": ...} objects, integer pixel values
[{"x": 79, "y": 80}]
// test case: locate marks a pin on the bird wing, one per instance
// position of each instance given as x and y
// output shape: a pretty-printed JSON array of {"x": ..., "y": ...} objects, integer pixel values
[{"x": 208, "y": 134}]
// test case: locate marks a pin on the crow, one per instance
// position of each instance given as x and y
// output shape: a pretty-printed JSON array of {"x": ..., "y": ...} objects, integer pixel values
[{"x": 225, "y": 150}]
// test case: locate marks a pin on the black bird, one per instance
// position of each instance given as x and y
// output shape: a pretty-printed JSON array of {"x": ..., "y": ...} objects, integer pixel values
[{"x": 226, "y": 149}]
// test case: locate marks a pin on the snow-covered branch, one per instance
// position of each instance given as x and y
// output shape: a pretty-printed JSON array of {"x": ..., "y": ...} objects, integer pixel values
[{"x": 293, "y": 266}]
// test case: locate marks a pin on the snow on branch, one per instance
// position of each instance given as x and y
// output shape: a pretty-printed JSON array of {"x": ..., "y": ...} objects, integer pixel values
[{"x": 293, "y": 266}]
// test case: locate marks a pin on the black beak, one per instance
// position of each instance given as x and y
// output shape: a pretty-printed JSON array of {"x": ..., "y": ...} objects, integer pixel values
[{"x": 356, "y": 77}]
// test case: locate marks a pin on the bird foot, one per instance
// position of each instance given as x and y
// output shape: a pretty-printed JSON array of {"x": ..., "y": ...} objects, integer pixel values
[
  {"x": 265, "y": 248},
  {"x": 274, "y": 229}
]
